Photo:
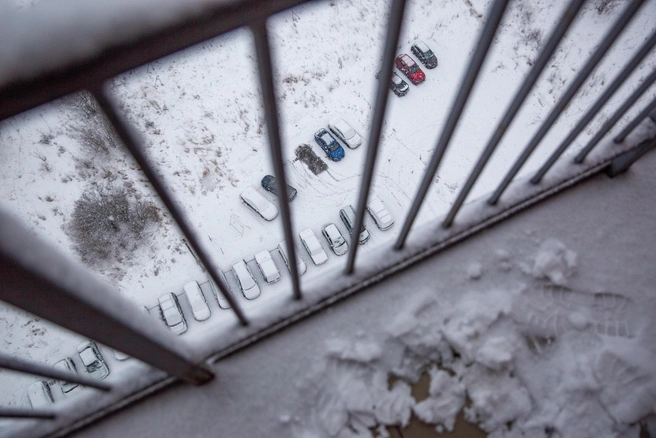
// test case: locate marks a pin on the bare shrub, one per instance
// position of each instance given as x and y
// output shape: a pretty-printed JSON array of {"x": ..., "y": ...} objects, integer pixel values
[
  {"x": 86, "y": 104},
  {"x": 98, "y": 136},
  {"x": 107, "y": 225},
  {"x": 307, "y": 156},
  {"x": 96, "y": 132},
  {"x": 534, "y": 38},
  {"x": 605, "y": 6}
]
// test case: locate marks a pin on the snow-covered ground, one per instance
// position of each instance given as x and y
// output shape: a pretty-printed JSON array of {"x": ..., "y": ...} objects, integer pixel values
[{"x": 199, "y": 115}]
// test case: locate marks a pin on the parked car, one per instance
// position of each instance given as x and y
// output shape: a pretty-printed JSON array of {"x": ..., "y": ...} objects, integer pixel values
[
  {"x": 347, "y": 214},
  {"x": 197, "y": 301},
  {"x": 335, "y": 239},
  {"x": 66, "y": 365},
  {"x": 345, "y": 133},
  {"x": 424, "y": 54},
  {"x": 169, "y": 308},
  {"x": 92, "y": 360},
  {"x": 223, "y": 302},
  {"x": 410, "y": 68},
  {"x": 313, "y": 247},
  {"x": 39, "y": 394},
  {"x": 329, "y": 145},
  {"x": 269, "y": 184},
  {"x": 267, "y": 266},
  {"x": 119, "y": 355},
  {"x": 247, "y": 282},
  {"x": 300, "y": 266},
  {"x": 259, "y": 203},
  {"x": 398, "y": 85},
  {"x": 379, "y": 213}
]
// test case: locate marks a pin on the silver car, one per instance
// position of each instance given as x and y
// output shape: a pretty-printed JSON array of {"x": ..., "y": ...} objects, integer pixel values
[
  {"x": 335, "y": 239},
  {"x": 39, "y": 395},
  {"x": 92, "y": 360},
  {"x": 67, "y": 365},
  {"x": 171, "y": 313},
  {"x": 345, "y": 132},
  {"x": 347, "y": 214}
]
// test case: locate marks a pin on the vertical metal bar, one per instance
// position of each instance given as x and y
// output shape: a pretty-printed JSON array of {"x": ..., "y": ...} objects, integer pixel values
[
  {"x": 130, "y": 141},
  {"x": 27, "y": 413},
  {"x": 631, "y": 126},
  {"x": 36, "y": 277},
  {"x": 530, "y": 80},
  {"x": 608, "y": 93},
  {"x": 482, "y": 46},
  {"x": 628, "y": 103},
  {"x": 23, "y": 366},
  {"x": 265, "y": 69},
  {"x": 590, "y": 65},
  {"x": 397, "y": 11}
]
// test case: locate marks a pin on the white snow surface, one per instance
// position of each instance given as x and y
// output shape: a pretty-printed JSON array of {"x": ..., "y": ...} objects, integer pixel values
[{"x": 202, "y": 123}]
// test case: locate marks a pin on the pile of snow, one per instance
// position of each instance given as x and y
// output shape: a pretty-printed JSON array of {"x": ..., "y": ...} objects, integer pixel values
[{"x": 510, "y": 376}]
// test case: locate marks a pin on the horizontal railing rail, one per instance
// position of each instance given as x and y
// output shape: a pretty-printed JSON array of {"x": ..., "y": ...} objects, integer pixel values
[{"x": 43, "y": 282}]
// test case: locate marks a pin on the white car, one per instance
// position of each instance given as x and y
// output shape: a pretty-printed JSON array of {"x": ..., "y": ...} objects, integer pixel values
[
  {"x": 335, "y": 239},
  {"x": 267, "y": 266},
  {"x": 259, "y": 203},
  {"x": 92, "y": 360},
  {"x": 247, "y": 283},
  {"x": 169, "y": 307},
  {"x": 379, "y": 213},
  {"x": 197, "y": 301},
  {"x": 66, "y": 365},
  {"x": 300, "y": 266},
  {"x": 119, "y": 355},
  {"x": 313, "y": 247},
  {"x": 345, "y": 132},
  {"x": 223, "y": 302},
  {"x": 39, "y": 394}
]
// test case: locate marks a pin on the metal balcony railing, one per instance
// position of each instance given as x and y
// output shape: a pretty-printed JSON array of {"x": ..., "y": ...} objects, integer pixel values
[{"x": 38, "y": 280}]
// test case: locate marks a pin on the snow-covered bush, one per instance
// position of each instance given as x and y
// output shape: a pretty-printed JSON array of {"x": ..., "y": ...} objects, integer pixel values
[{"x": 106, "y": 223}]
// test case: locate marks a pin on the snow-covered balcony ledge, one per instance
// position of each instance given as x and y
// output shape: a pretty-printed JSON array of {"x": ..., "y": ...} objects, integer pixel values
[
  {"x": 58, "y": 48},
  {"x": 543, "y": 322}
]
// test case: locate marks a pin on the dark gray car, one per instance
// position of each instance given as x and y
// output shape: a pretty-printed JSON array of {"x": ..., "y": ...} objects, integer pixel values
[{"x": 269, "y": 184}]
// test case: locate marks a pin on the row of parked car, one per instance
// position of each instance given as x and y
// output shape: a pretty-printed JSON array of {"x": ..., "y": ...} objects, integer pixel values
[
  {"x": 325, "y": 138},
  {"x": 169, "y": 305},
  {"x": 40, "y": 394},
  {"x": 407, "y": 65}
]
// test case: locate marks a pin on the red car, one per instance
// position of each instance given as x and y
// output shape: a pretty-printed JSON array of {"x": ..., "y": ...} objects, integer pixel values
[{"x": 410, "y": 68}]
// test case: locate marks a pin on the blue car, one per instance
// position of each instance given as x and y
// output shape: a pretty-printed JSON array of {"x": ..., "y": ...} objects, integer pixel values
[{"x": 329, "y": 145}]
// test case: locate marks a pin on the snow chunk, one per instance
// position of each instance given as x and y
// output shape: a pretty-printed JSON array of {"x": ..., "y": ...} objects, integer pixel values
[
  {"x": 473, "y": 316},
  {"x": 474, "y": 271},
  {"x": 358, "y": 351},
  {"x": 496, "y": 353},
  {"x": 496, "y": 398},
  {"x": 418, "y": 327},
  {"x": 447, "y": 397},
  {"x": 395, "y": 407},
  {"x": 554, "y": 262}
]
